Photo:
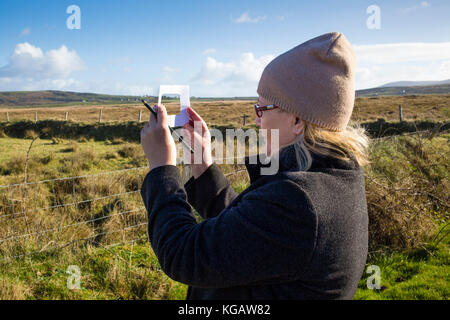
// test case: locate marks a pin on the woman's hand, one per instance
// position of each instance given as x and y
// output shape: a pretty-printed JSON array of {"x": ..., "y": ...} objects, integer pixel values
[
  {"x": 196, "y": 133},
  {"x": 157, "y": 142}
]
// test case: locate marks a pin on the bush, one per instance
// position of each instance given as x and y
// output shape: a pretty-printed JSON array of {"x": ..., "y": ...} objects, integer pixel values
[
  {"x": 407, "y": 191},
  {"x": 73, "y": 147},
  {"x": 16, "y": 165},
  {"x": 131, "y": 151},
  {"x": 117, "y": 141},
  {"x": 30, "y": 134},
  {"x": 83, "y": 160},
  {"x": 57, "y": 141},
  {"x": 46, "y": 159},
  {"x": 111, "y": 155}
]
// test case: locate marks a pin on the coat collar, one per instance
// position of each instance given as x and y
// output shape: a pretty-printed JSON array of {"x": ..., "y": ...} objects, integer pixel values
[{"x": 288, "y": 162}]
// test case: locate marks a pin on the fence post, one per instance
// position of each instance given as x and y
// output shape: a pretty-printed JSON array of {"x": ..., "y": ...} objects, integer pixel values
[
  {"x": 35, "y": 117},
  {"x": 140, "y": 116},
  {"x": 7, "y": 116},
  {"x": 67, "y": 116},
  {"x": 186, "y": 172},
  {"x": 400, "y": 113},
  {"x": 245, "y": 117},
  {"x": 436, "y": 129},
  {"x": 100, "y": 115}
]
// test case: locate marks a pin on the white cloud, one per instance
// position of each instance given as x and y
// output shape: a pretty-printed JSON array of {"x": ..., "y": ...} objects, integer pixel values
[
  {"x": 29, "y": 68},
  {"x": 245, "y": 18},
  {"x": 402, "y": 52},
  {"x": 209, "y": 51},
  {"x": 30, "y": 61},
  {"x": 382, "y": 63},
  {"x": 421, "y": 5},
  {"x": 233, "y": 78},
  {"x": 377, "y": 64}
]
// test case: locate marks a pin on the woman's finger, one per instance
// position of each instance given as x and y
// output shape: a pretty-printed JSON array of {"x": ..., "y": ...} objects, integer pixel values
[
  {"x": 153, "y": 120},
  {"x": 195, "y": 117},
  {"x": 162, "y": 116}
]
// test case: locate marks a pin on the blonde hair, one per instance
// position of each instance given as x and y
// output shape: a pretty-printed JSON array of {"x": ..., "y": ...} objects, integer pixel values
[{"x": 353, "y": 141}]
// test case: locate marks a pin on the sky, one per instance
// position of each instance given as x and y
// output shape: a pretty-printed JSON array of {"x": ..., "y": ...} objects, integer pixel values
[{"x": 218, "y": 48}]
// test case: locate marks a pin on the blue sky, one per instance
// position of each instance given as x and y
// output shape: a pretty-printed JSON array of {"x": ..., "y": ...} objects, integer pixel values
[{"x": 219, "y": 48}]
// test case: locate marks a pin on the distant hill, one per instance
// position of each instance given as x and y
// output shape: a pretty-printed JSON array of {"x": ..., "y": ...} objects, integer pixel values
[
  {"x": 50, "y": 97},
  {"x": 404, "y": 90},
  {"x": 415, "y": 83}
]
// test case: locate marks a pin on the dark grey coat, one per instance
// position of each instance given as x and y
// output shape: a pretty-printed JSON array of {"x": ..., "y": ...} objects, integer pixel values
[{"x": 292, "y": 235}]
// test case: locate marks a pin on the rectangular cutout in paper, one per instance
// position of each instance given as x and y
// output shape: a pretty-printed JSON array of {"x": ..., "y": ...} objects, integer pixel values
[{"x": 181, "y": 119}]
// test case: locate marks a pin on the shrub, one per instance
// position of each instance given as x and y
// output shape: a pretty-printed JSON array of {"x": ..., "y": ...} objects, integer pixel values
[
  {"x": 73, "y": 147},
  {"x": 131, "y": 151},
  {"x": 16, "y": 165},
  {"x": 30, "y": 134},
  {"x": 46, "y": 159},
  {"x": 111, "y": 155},
  {"x": 56, "y": 141},
  {"x": 406, "y": 188},
  {"x": 83, "y": 160},
  {"x": 117, "y": 141}
]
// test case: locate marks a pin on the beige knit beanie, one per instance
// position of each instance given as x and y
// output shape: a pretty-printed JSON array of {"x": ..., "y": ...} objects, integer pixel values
[{"x": 314, "y": 80}]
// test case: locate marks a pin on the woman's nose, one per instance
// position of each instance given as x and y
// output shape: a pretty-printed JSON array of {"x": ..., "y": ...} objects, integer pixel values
[{"x": 258, "y": 121}]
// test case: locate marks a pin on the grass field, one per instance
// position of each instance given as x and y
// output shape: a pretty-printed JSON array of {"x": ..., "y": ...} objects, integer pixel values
[
  {"x": 132, "y": 272},
  {"x": 104, "y": 233},
  {"x": 424, "y": 107}
]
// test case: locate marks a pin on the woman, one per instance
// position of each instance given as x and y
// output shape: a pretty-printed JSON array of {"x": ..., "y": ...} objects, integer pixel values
[{"x": 300, "y": 233}]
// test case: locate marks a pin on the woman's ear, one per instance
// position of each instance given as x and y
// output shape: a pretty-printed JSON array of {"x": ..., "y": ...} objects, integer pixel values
[{"x": 299, "y": 126}]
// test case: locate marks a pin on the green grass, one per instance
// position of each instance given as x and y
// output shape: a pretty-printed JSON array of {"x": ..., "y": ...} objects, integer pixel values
[
  {"x": 56, "y": 157},
  {"x": 121, "y": 272},
  {"x": 132, "y": 271},
  {"x": 419, "y": 274}
]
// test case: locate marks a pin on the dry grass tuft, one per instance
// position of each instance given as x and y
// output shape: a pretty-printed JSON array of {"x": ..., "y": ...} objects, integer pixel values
[
  {"x": 407, "y": 191},
  {"x": 10, "y": 290}
]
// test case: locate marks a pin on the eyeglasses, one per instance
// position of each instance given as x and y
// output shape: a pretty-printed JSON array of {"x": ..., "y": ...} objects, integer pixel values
[{"x": 259, "y": 109}]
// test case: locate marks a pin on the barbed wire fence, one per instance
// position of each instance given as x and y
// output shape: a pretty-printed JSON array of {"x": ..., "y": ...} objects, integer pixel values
[{"x": 103, "y": 209}]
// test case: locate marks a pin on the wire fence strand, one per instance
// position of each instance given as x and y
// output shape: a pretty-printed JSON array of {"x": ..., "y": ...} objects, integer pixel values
[{"x": 64, "y": 193}]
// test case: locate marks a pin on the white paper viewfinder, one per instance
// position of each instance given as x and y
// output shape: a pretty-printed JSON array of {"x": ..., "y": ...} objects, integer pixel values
[{"x": 181, "y": 119}]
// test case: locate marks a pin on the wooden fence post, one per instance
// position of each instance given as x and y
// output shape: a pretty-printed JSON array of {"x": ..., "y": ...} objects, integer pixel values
[
  {"x": 187, "y": 173},
  {"x": 35, "y": 117},
  {"x": 100, "y": 115},
  {"x": 400, "y": 113},
  {"x": 140, "y": 116},
  {"x": 67, "y": 116},
  {"x": 245, "y": 117},
  {"x": 7, "y": 116}
]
